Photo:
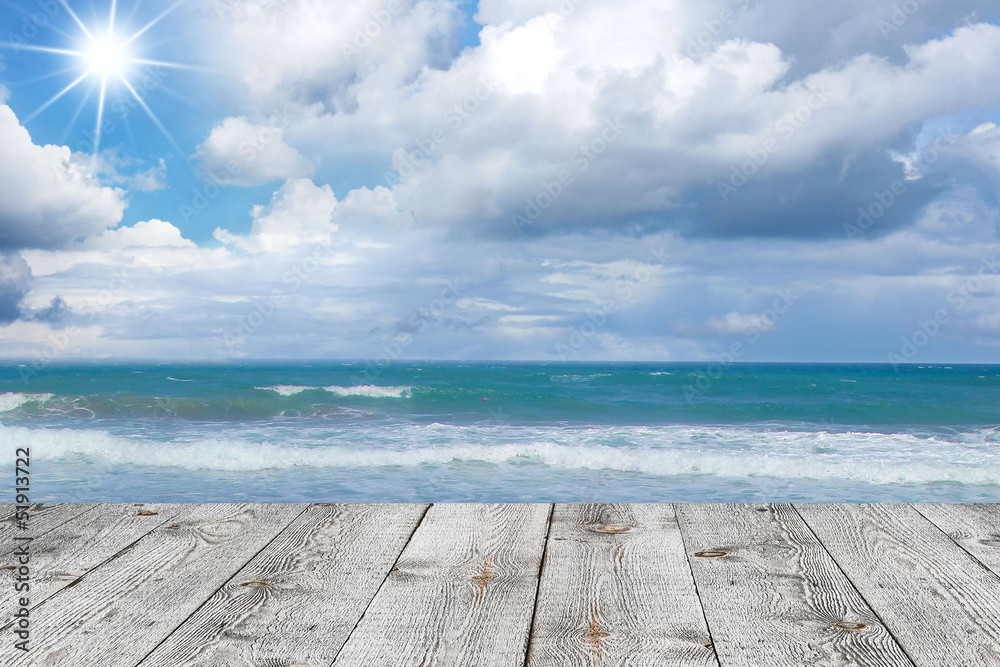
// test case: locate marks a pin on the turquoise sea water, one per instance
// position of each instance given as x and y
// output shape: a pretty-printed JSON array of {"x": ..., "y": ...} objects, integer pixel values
[{"x": 431, "y": 431}]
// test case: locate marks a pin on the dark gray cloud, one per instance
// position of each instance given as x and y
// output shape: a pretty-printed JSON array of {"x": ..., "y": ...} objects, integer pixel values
[{"x": 15, "y": 282}]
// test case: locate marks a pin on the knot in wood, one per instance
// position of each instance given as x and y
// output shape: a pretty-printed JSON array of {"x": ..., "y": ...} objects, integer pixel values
[
  {"x": 850, "y": 627},
  {"x": 612, "y": 528},
  {"x": 711, "y": 554}
]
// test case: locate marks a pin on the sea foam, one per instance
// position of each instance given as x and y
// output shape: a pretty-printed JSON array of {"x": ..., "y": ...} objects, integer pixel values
[
  {"x": 731, "y": 452},
  {"x": 368, "y": 390},
  {"x": 12, "y": 401}
]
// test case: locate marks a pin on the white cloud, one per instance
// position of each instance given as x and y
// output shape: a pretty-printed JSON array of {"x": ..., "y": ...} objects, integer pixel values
[
  {"x": 239, "y": 153},
  {"x": 736, "y": 324},
  {"x": 688, "y": 121},
  {"x": 149, "y": 234},
  {"x": 299, "y": 213},
  {"x": 49, "y": 197}
]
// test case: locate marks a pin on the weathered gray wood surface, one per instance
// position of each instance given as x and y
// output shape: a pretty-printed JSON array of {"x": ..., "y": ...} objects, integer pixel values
[
  {"x": 120, "y": 611},
  {"x": 975, "y": 528},
  {"x": 41, "y": 519},
  {"x": 61, "y": 556},
  {"x": 517, "y": 585},
  {"x": 616, "y": 589},
  {"x": 772, "y": 594},
  {"x": 298, "y": 600},
  {"x": 940, "y": 603},
  {"x": 461, "y": 594}
]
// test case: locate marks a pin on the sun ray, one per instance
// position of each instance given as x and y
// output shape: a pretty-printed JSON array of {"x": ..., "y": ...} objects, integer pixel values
[
  {"x": 159, "y": 18},
  {"x": 100, "y": 116},
  {"x": 162, "y": 63},
  {"x": 152, "y": 116},
  {"x": 111, "y": 17},
  {"x": 76, "y": 18},
  {"x": 44, "y": 49},
  {"x": 50, "y": 75},
  {"x": 56, "y": 97}
]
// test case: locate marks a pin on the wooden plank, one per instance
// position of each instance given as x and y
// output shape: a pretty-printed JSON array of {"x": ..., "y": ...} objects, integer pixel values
[
  {"x": 298, "y": 600},
  {"x": 67, "y": 552},
  {"x": 121, "y": 610},
  {"x": 461, "y": 594},
  {"x": 940, "y": 603},
  {"x": 616, "y": 589},
  {"x": 976, "y": 528},
  {"x": 42, "y": 517},
  {"x": 773, "y": 596}
]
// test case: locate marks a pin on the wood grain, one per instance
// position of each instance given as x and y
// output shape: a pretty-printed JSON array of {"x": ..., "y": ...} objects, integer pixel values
[
  {"x": 42, "y": 518},
  {"x": 940, "y": 603},
  {"x": 120, "y": 611},
  {"x": 773, "y": 595},
  {"x": 298, "y": 600},
  {"x": 975, "y": 528},
  {"x": 461, "y": 594},
  {"x": 616, "y": 589},
  {"x": 61, "y": 556}
]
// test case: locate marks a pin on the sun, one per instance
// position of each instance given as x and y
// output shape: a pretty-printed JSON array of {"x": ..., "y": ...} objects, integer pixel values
[{"x": 105, "y": 55}]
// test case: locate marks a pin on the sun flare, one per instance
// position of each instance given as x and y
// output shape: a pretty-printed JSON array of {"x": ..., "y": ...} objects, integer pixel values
[
  {"x": 106, "y": 57},
  {"x": 109, "y": 58}
]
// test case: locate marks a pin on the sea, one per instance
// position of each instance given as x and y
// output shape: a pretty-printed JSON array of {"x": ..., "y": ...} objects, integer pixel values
[{"x": 503, "y": 432}]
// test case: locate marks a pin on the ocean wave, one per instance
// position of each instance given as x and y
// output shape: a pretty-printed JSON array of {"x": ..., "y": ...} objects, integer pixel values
[
  {"x": 12, "y": 400},
  {"x": 368, "y": 390},
  {"x": 731, "y": 452}
]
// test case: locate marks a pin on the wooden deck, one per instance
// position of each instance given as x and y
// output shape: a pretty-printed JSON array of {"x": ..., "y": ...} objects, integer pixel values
[{"x": 507, "y": 585}]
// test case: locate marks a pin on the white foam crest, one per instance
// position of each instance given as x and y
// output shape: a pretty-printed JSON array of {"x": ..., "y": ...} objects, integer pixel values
[
  {"x": 13, "y": 400},
  {"x": 368, "y": 390},
  {"x": 371, "y": 391},
  {"x": 873, "y": 458},
  {"x": 286, "y": 389}
]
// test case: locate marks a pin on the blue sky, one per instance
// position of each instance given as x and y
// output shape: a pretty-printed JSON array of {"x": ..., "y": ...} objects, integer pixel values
[{"x": 522, "y": 179}]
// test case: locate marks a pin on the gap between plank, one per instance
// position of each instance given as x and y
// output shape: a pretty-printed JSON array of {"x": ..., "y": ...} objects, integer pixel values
[
  {"x": 854, "y": 586},
  {"x": 127, "y": 547},
  {"x": 538, "y": 584},
  {"x": 223, "y": 584},
  {"x": 420, "y": 522},
  {"x": 694, "y": 580},
  {"x": 956, "y": 542}
]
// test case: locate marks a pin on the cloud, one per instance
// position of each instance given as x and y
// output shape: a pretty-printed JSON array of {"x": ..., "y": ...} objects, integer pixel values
[
  {"x": 238, "y": 153},
  {"x": 15, "y": 282},
  {"x": 299, "y": 213},
  {"x": 805, "y": 139},
  {"x": 149, "y": 234},
  {"x": 49, "y": 197},
  {"x": 735, "y": 324}
]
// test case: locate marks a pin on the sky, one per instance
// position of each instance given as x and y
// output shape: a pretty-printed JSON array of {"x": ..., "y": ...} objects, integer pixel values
[{"x": 575, "y": 180}]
